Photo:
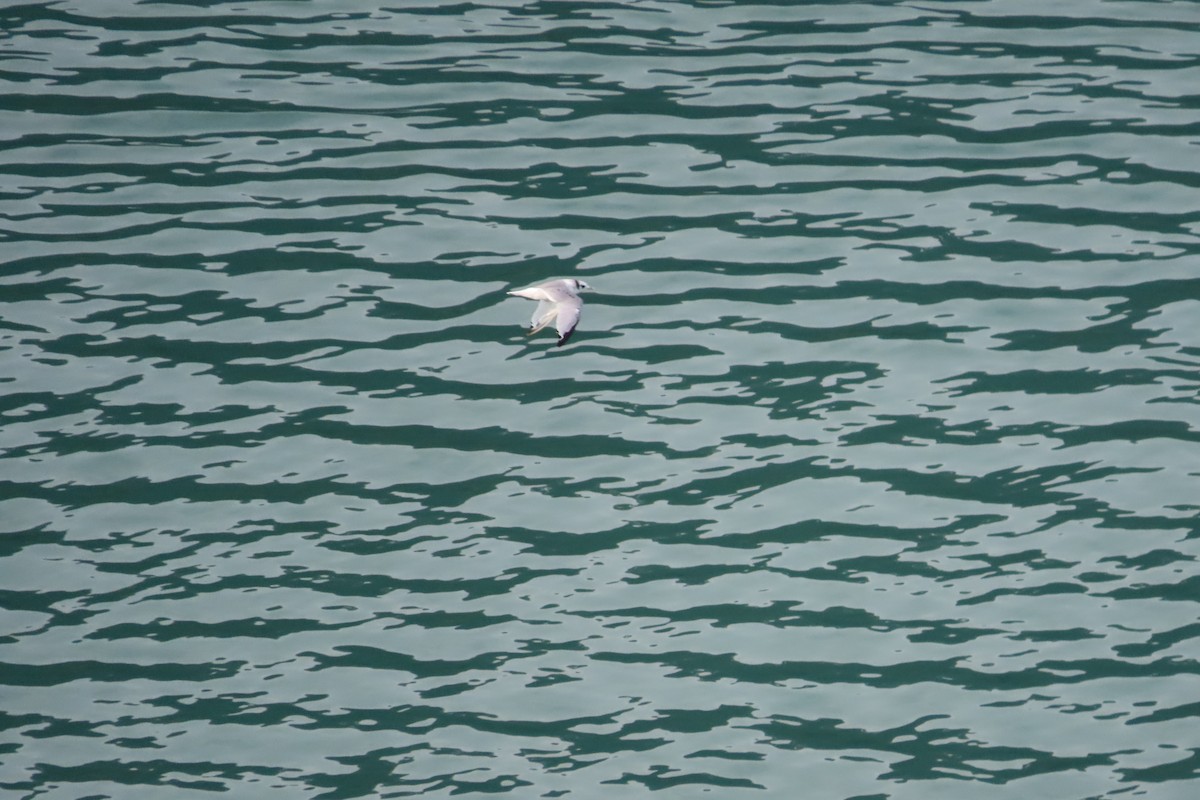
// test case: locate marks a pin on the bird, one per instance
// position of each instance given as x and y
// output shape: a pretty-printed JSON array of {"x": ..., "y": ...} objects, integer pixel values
[{"x": 558, "y": 302}]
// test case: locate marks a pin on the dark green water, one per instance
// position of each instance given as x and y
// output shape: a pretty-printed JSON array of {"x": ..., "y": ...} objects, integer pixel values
[{"x": 873, "y": 470}]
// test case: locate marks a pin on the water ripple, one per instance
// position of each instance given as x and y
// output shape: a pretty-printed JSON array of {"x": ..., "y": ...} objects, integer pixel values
[{"x": 872, "y": 464}]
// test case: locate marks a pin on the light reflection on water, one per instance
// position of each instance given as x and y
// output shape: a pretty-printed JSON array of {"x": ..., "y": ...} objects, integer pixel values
[{"x": 870, "y": 465}]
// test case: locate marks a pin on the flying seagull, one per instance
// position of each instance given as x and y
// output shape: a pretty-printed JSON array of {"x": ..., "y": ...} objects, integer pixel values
[{"x": 558, "y": 302}]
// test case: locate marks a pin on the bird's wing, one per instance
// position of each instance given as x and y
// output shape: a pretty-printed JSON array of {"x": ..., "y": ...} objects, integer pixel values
[
  {"x": 533, "y": 293},
  {"x": 558, "y": 291},
  {"x": 567, "y": 318},
  {"x": 543, "y": 307}
]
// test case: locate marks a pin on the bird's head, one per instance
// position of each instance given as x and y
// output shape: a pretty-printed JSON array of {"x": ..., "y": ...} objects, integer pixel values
[{"x": 579, "y": 285}]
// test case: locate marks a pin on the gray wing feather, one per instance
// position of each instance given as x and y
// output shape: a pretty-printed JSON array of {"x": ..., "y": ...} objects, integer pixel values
[
  {"x": 558, "y": 291},
  {"x": 542, "y": 307},
  {"x": 568, "y": 318}
]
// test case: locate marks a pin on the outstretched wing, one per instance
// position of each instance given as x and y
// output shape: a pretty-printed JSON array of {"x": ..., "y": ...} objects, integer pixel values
[
  {"x": 545, "y": 319},
  {"x": 539, "y": 313},
  {"x": 532, "y": 293},
  {"x": 567, "y": 318}
]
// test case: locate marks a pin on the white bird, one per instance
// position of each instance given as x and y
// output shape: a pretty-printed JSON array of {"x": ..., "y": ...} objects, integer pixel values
[{"x": 558, "y": 302}]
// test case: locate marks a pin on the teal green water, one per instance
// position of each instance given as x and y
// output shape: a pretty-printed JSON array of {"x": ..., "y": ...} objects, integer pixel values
[{"x": 872, "y": 470}]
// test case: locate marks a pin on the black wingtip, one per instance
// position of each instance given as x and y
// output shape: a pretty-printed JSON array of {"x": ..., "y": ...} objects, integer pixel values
[{"x": 565, "y": 337}]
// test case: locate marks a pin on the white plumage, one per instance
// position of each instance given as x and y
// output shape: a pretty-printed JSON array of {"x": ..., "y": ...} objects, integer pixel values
[{"x": 558, "y": 302}]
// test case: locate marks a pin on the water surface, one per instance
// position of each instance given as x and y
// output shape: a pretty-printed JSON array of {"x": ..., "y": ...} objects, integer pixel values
[{"x": 871, "y": 469}]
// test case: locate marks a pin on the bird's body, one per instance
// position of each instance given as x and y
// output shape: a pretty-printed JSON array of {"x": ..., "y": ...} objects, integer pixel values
[{"x": 558, "y": 302}]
